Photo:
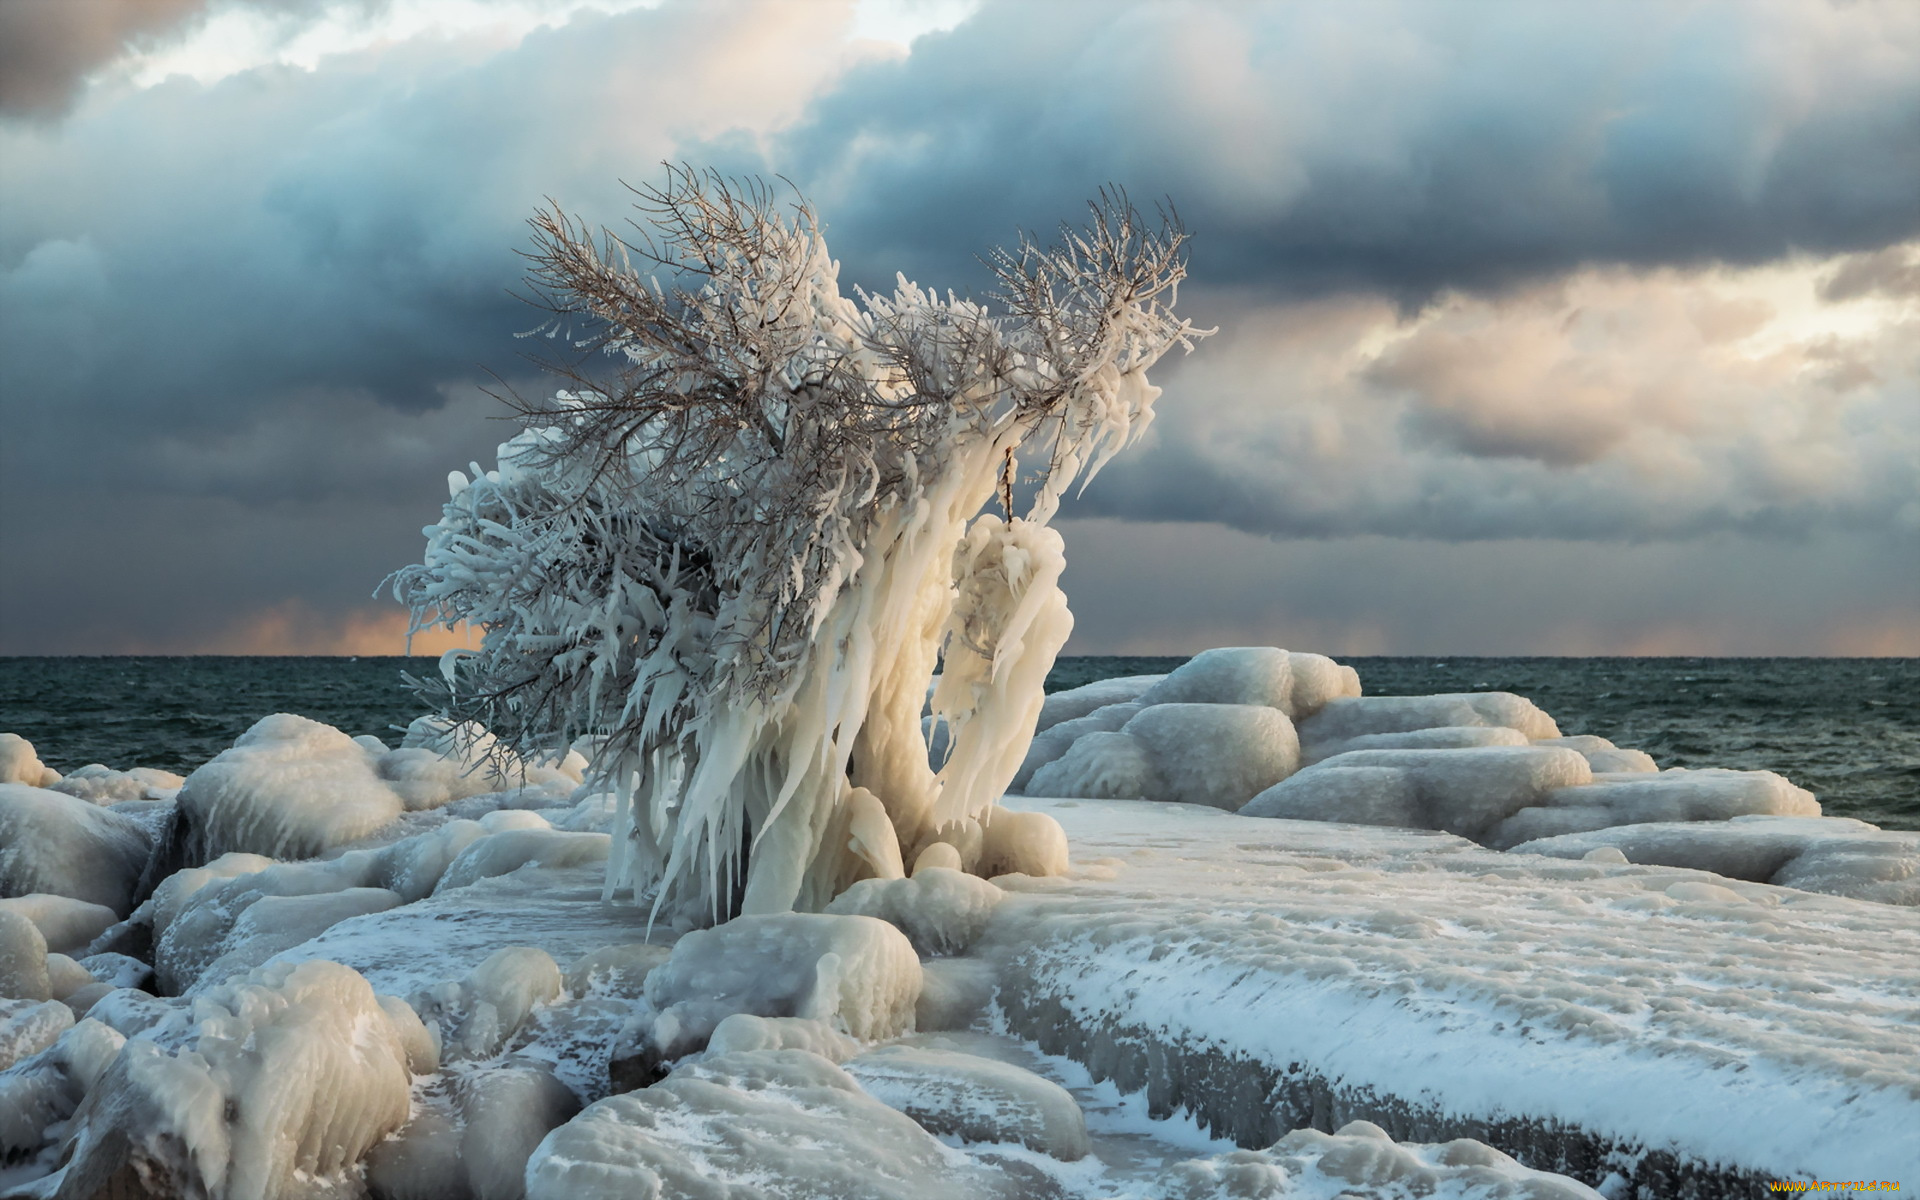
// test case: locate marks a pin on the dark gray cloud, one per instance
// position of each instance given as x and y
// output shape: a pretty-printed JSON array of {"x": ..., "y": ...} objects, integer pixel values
[
  {"x": 242, "y": 323},
  {"x": 1406, "y": 146}
]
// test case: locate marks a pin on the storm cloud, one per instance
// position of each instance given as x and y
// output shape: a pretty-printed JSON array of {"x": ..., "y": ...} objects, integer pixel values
[{"x": 1596, "y": 276}]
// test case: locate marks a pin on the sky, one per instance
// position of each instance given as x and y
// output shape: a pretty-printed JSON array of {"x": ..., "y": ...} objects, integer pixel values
[{"x": 1544, "y": 328}]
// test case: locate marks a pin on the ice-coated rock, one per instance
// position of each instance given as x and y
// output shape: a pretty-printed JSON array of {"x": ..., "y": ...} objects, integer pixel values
[
  {"x": 1639, "y": 797},
  {"x": 505, "y": 1114},
  {"x": 1361, "y": 1159},
  {"x": 954, "y": 992},
  {"x": 28, "y": 1026},
  {"x": 478, "y": 1016},
  {"x": 287, "y": 788},
  {"x": 1219, "y": 755},
  {"x": 68, "y": 925},
  {"x": 20, "y": 764},
  {"x": 744, "y": 1032},
  {"x": 1467, "y": 791},
  {"x": 1049, "y": 744},
  {"x": 282, "y": 1082},
  {"x": 99, "y": 784},
  {"x": 23, "y": 959},
  {"x": 53, "y": 842},
  {"x": 1603, "y": 756},
  {"x": 509, "y": 850},
  {"x": 858, "y": 973},
  {"x": 619, "y": 970},
  {"x": 768, "y": 1123},
  {"x": 974, "y": 1099},
  {"x": 1021, "y": 843},
  {"x": 1349, "y": 717},
  {"x": 1074, "y": 703},
  {"x": 941, "y": 911},
  {"x": 1836, "y": 855},
  {"x": 1260, "y": 675}
]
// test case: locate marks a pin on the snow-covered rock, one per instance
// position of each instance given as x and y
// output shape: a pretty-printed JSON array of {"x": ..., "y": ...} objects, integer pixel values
[
  {"x": 1836, "y": 855},
  {"x": 53, "y": 842},
  {"x": 770, "y": 1123},
  {"x": 974, "y": 1099}
]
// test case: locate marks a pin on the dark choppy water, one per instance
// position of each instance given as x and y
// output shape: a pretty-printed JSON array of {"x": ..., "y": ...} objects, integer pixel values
[{"x": 1848, "y": 729}]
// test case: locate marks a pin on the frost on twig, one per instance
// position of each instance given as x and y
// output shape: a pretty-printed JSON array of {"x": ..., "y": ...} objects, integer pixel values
[{"x": 737, "y": 540}]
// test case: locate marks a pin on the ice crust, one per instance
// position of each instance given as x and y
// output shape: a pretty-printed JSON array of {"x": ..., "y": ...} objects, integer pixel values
[{"x": 1439, "y": 989}]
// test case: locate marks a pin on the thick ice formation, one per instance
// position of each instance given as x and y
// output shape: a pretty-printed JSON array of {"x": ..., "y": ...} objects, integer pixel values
[
  {"x": 1836, "y": 855},
  {"x": 67, "y": 924},
  {"x": 55, "y": 843},
  {"x": 855, "y": 972},
  {"x": 1412, "y": 979},
  {"x": 1216, "y": 731},
  {"x": 282, "y": 1082},
  {"x": 1468, "y": 791},
  {"x": 974, "y": 1099},
  {"x": 99, "y": 784},
  {"x": 1361, "y": 1159},
  {"x": 769, "y": 1122},
  {"x": 1638, "y": 797},
  {"x": 19, "y": 763},
  {"x": 940, "y": 910}
]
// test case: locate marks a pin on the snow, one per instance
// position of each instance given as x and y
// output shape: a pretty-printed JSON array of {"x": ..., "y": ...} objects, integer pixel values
[
  {"x": 1416, "y": 980},
  {"x": 1836, "y": 855},
  {"x": 974, "y": 1099},
  {"x": 51, "y": 842}
]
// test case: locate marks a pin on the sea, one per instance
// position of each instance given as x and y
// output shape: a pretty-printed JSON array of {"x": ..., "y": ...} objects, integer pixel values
[{"x": 1847, "y": 729}]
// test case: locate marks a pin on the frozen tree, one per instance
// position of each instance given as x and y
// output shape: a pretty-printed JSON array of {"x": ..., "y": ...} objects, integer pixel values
[{"x": 736, "y": 544}]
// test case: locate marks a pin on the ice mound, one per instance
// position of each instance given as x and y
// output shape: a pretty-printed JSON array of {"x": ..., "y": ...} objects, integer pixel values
[
  {"x": 67, "y": 924},
  {"x": 294, "y": 788},
  {"x": 1299, "y": 685},
  {"x": 1639, "y": 797},
  {"x": 744, "y": 1032},
  {"x": 40, "y": 1091},
  {"x": 1361, "y": 1159},
  {"x": 1603, "y": 756},
  {"x": 287, "y": 788},
  {"x": 1468, "y": 791},
  {"x": 975, "y": 1099},
  {"x": 769, "y": 1123},
  {"x": 1074, "y": 703},
  {"x": 1220, "y": 755},
  {"x": 858, "y": 973},
  {"x": 512, "y": 849},
  {"x": 1347, "y": 717},
  {"x": 1835, "y": 855},
  {"x": 19, "y": 763},
  {"x": 29, "y": 1025},
  {"x": 941, "y": 911},
  {"x": 1049, "y": 744},
  {"x": 479, "y": 1015},
  {"x": 99, "y": 784},
  {"x": 281, "y": 1084},
  {"x": 53, "y": 842}
]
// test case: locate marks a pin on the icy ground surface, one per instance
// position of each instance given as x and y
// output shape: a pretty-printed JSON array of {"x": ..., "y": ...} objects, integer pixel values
[{"x": 1759, "y": 1028}]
